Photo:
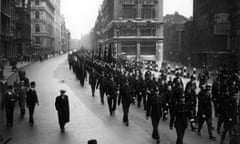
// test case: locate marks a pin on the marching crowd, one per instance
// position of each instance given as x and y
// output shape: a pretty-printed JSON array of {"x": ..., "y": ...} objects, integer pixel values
[{"x": 165, "y": 95}]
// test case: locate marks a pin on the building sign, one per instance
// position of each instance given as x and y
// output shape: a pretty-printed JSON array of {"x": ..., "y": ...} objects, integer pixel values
[{"x": 221, "y": 24}]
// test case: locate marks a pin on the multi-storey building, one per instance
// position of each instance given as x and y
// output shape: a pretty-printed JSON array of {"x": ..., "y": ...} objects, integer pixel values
[
  {"x": 186, "y": 53},
  {"x": 12, "y": 51},
  {"x": 211, "y": 43},
  {"x": 42, "y": 19},
  {"x": 238, "y": 31},
  {"x": 173, "y": 36},
  {"x": 131, "y": 27},
  {"x": 68, "y": 40},
  {"x": 57, "y": 25},
  {"x": 23, "y": 27},
  {"x": 65, "y": 36},
  {"x": 234, "y": 36},
  {"x": 7, "y": 28}
]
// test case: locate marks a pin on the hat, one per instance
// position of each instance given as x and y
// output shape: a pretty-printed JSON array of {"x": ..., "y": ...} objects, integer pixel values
[
  {"x": 93, "y": 141},
  {"x": 62, "y": 91}
]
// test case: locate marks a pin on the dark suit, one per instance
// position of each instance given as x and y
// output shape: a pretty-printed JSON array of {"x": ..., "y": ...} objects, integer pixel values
[
  {"x": 3, "y": 89},
  {"x": 205, "y": 111},
  {"x": 93, "y": 82},
  {"x": 112, "y": 96},
  {"x": 154, "y": 109},
  {"x": 9, "y": 103},
  {"x": 126, "y": 99},
  {"x": 102, "y": 88},
  {"x": 179, "y": 119},
  {"x": 32, "y": 100},
  {"x": 62, "y": 106}
]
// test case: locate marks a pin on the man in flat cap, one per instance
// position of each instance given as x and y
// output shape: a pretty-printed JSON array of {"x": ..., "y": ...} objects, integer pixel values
[{"x": 62, "y": 107}]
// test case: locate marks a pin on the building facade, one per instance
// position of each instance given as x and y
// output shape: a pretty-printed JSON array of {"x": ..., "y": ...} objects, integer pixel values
[
  {"x": 23, "y": 27},
  {"x": 211, "y": 44},
  {"x": 8, "y": 28},
  {"x": 238, "y": 31},
  {"x": 43, "y": 26},
  {"x": 187, "y": 44},
  {"x": 174, "y": 27},
  {"x": 133, "y": 28},
  {"x": 57, "y": 25},
  {"x": 65, "y": 36},
  {"x": 234, "y": 36}
]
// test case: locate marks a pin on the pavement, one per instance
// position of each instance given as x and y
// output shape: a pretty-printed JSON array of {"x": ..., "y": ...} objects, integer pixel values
[
  {"x": 88, "y": 118},
  {"x": 8, "y": 69}
]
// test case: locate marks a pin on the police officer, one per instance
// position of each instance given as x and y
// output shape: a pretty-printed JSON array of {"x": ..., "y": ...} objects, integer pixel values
[
  {"x": 216, "y": 95},
  {"x": 126, "y": 99},
  {"x": 179, "y": 119},
  {"x": 111, "y": 95},
  {"x": 154, "y": 109},
  {"x": 101, "y": 84},
  {"x": 229, "y": 121},
  {"x": 93, "y": 81},
  {"x": 205, "y": 110},
  {"x": 191, "y": 100}
]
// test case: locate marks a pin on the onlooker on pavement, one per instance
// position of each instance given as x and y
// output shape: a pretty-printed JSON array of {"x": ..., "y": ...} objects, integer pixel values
[
  {"x": 9, "y": 104},
  {"x": 62, "y": 107},
  {"x": 22, "y": 92},
  {"x": 32, "y": 100},
  {"x": 3, "y": 89}
]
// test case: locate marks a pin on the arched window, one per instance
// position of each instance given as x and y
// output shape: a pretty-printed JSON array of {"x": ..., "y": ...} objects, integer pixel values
[
  {"x": 37, "y": 28},
  {"x": 37, "y": 2},
  {"x": 37, "y": 15}
]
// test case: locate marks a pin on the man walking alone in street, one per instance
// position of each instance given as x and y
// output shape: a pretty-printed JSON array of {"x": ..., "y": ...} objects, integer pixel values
[
  {"x": 32, "y": 100},
  {"x": 62, "y": 107}
]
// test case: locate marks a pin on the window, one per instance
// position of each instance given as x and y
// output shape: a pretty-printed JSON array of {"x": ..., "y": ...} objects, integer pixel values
[
  {"x": 37, "y": 2},
  {"x": 148, "y": 2},
  {"x": 148, "y": 32},
  {"x": 128, "y": 32},
  {"x": 129, "y": 11},
  {"x": 37, "y": 15},
  {"x": 130, "y": 48},
  {"x": 148, "y": 12},
  {"x": 37, "y": 28},
  {"x": 129, "y": 2},
  {"x": 37, "y": 40},
  {"x": 148, "y": 48}
]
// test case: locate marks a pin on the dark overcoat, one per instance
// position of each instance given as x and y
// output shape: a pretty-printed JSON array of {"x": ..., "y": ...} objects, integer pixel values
[{"x": 62, "y": 107}]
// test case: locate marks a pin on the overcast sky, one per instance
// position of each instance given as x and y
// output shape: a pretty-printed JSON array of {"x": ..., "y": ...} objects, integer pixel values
[{"x": 80, "y": 15}]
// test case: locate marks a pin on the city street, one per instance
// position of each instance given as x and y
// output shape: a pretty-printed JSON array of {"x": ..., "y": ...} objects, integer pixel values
[{"x": 88, "y": 118}]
